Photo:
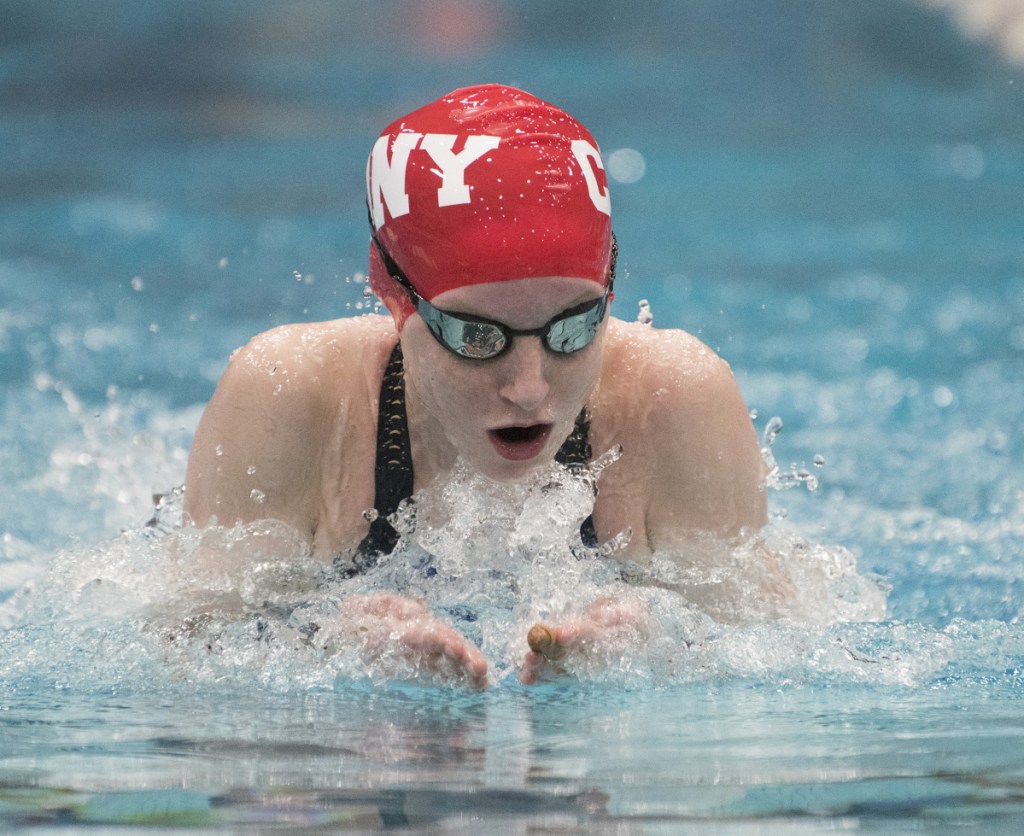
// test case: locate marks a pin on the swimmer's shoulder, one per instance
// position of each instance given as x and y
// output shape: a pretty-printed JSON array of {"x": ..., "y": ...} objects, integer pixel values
[
  {"x": 681, "y": 418},
  {"x": 316, "y": 361},
  {"x": 294, "y": 403},
  {"x": 661, "y": 370}
]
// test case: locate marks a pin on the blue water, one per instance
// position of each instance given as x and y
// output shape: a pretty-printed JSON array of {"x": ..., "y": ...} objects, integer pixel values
[{"x": 830, "y": 197}]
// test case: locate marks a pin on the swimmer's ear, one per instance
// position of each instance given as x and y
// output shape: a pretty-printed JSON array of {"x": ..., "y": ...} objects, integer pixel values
[
  {"x": 613, "y": 260},
  {"x": 395, "y": 299}
]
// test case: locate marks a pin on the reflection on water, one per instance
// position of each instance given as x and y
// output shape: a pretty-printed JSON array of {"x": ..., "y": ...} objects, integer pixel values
[{"x": 548, "y": 756}]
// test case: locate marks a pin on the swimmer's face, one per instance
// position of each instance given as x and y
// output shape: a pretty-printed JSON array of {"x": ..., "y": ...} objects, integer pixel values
[{"x": 510, "y": 414}]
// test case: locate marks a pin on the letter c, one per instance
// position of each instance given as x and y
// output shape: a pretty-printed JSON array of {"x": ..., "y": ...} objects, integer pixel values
[{"x": 588, "y": 156}]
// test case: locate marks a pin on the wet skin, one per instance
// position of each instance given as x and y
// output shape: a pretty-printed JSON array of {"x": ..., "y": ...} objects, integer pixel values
[
  {"x": 507, "y": 415},
  {"x": 294, "y": 422}
]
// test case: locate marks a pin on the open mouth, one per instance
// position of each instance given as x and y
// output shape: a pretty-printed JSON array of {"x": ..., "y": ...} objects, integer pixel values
[{"x": 520, "y": 443}]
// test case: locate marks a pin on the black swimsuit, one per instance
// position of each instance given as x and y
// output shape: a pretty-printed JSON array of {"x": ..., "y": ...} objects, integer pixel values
[{"x": 393, "y": 470}]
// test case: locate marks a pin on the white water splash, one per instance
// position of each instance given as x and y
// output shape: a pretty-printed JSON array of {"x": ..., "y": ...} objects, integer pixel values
[{"x": 162, "y": 603}]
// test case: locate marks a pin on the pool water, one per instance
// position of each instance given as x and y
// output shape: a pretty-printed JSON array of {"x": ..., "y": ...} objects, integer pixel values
[{"x": 827, "y": 194}]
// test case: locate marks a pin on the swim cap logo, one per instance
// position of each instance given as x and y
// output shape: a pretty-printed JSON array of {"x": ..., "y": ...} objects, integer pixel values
[
  {"x": 386, "y": 178},
  {"x": 588, "y": 156}
]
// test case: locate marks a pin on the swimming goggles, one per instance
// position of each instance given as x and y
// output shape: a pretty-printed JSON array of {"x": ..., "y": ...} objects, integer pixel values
[{"x": 477, "y": 338}]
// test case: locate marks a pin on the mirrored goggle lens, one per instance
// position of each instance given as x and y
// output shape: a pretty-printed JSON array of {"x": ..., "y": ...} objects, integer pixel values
[
  {"x": 480, "y": 340},
  {"x": 476, "y": 340},
  {"x": 572, "y": 333}
]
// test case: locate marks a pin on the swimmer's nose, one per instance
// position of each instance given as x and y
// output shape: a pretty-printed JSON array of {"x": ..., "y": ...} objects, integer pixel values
[{"x": 525, "y": 381}]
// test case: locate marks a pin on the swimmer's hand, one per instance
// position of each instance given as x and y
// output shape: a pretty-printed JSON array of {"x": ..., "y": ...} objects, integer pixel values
[
  {"x": 400, "y": 637},
  {"x": 608, "y": 627},
  {"x": 546, "y": 641}
]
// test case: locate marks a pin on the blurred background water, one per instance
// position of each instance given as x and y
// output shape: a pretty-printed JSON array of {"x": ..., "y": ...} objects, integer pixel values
[{"x": 827, "y": 193}]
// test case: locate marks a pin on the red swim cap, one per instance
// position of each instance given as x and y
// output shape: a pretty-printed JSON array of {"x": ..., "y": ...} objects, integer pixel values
[{"x": 486, "y": 184}]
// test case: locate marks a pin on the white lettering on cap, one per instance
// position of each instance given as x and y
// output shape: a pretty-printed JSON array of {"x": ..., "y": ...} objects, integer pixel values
[
  {"x": 586, "y": 153},
  {"x": 453, "y": 167},
  {"x": 385, "y": 179}
]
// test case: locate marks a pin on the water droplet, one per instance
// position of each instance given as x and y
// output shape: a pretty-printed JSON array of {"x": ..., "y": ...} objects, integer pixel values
[
  {"x": 370, "y": 514},
  {"x": 771, "y": 431},
  {"x": 644, "y": 316},
  {"x": 257, "y": 496},
  {"x": 298, "y": 275},
  {"x": 251, "y": 470},
  {"x": 218, "y": 450},
  {"x": 819, "y": 460},
  {"x": 223, "y": 263},
  {"x": 137, "y": 283}
]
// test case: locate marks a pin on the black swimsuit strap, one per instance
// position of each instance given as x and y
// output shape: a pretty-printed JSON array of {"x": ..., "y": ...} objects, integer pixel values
[
  {"x": 393, "y": 477},
  {"x": 393, "y": 472},
  {"x": 576, "y": 450}
]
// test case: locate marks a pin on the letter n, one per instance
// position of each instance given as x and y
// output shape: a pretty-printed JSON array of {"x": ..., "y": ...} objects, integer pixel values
[{"x": 385, "y": 179}]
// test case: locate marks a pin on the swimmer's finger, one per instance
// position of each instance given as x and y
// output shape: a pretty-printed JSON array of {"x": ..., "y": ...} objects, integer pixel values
[
  {"x": 546, "y": 641},
  {"x": 470, "y": 660},
  {"x": 554, "y": 642},
  {"x": 533, "y": 664},
  {"x": 437, "y": 641}
]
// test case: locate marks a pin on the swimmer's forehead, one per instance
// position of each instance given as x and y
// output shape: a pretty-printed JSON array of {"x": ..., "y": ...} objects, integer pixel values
[{"x": 520, "y": 302}]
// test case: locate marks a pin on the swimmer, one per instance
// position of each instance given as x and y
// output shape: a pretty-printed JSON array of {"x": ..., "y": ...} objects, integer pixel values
[{"x": 491, "y": 246}]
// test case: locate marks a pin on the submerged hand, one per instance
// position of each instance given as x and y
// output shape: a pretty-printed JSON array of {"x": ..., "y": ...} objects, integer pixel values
[
  {"x": 401, "y": 636},
  {"x": 608, "y": 624}
]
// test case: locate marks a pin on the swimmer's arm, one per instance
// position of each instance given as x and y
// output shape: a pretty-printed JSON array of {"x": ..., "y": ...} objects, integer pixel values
[
  {"x": 707, "y": 474},
  {"x": 254, "y": 452}
]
